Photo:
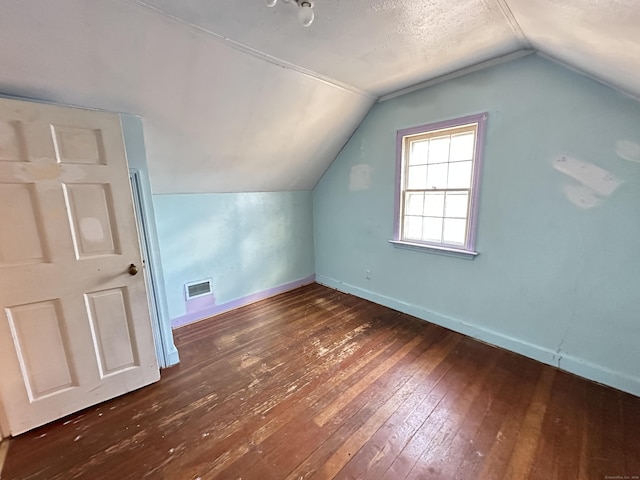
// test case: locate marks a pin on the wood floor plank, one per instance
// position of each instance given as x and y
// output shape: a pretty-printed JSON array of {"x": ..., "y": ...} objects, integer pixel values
[
  {"x": 413, "y": 373},
  {"x": 441, "y": 437},
  {"x": 387, "y": 441},
  {"x": 353, "y": 392},
  {"x": 461, "y": 447},
  {"x": 343, "y": 422},
  {"x": 434, "y": 412},
  {"x": 522, "y": 457},
  {"x": 501, "y": 446},
  {"x": 614, "y": 426},
  {"x": 630, "y": 417},
  {"x": 235, "y": 448},
  {"x": 490, "y": 447},
  {"x": 285, "y": 420},
  {"x": 318, "y": 384},
  {"x": 565, "y": 427}
]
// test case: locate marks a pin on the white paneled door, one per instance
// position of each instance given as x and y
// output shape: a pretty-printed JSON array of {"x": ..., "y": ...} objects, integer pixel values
[{"x": 74, "y": 318}]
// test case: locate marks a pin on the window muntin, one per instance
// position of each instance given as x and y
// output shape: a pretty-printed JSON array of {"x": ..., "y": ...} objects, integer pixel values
[{"x": 438, "y": 182}]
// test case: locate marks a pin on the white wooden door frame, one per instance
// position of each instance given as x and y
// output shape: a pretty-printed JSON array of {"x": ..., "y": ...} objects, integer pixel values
[
  {"x": 150, "y": 277},
  {"x": 133, "y": 132}
]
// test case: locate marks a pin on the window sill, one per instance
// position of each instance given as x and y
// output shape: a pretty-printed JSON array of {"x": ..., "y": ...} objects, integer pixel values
[{"x": 449, "y": 251}]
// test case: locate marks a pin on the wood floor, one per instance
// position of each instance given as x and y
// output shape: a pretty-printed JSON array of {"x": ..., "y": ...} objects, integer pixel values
[{"x": 315, "y": 384}]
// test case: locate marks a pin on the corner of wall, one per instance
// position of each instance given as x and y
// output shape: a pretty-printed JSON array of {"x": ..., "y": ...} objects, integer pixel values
[{"x": 569, "y": 363}]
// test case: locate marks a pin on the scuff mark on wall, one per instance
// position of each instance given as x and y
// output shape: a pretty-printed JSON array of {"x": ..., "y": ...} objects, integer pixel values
[
  {"x": 360, "y": 178},
  {"x": 594, "y": 183},
  {"x": 628, "y": 150}
]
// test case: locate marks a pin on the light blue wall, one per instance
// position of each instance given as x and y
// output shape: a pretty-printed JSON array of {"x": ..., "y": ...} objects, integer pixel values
[
  {"x": 245, "y": 242},
  {"x": 556, "y": 279}
]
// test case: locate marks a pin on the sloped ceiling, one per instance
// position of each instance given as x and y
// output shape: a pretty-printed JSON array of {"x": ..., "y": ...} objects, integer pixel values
[
  {"x": 236, "y": 96},
  {"x": 601, "y": 38}
]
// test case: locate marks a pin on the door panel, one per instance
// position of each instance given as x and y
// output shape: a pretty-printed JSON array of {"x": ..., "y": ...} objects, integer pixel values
[
  {"x": 40, "y": 338},
  {"x": 11, "y": 143},
  {"x": 74, "y": 324},
  {"x": 90, "y": 208},
  {"x": 112, "y": 330},
  {"x": 19, "y": 209},
  {"x": 78, "y": 145}
]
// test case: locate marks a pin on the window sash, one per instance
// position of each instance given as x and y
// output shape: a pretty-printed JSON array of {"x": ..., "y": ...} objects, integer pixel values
[{"x": 408, "y": 140}]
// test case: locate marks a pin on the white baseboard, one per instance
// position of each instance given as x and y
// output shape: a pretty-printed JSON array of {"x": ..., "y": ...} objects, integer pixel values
[
  {"x": 173, "y": 358},
  {"x": 569, "y": 363}
]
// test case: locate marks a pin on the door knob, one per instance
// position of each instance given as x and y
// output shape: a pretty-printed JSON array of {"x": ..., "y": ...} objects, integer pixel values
[{"x": 133, "y": 269}]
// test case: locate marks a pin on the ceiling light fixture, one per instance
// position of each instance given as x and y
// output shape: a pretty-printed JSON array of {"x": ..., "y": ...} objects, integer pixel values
[{"x": 305, "y": 9}]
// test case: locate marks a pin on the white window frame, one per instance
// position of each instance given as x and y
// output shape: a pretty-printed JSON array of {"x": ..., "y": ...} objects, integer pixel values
[{"x": 403, "y": 139}]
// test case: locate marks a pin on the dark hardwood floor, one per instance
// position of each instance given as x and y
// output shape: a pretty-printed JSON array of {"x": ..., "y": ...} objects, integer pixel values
[{"x": 316, "y": 384}]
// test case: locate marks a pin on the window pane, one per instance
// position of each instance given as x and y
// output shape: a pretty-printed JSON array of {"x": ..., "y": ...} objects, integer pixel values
[
  {"x": 412, "y": 228},
  {"x": 462, "y": 147},
  {"x": 419, "y": 152},
  {"x": 439, "y": 149},
  {"x": 437, "y": 176},
  {"x": 417, "y": 178},
  {"x": 438, "y": 179},
  {"x": 414, "y": 204},
  {"x": 432, "y": 230},
  {"x": 434, "y": 204},
  {"x": 455, "y": 231},
  {"x": 459, "y": 175},
  {"x": 456, "y": 204}
]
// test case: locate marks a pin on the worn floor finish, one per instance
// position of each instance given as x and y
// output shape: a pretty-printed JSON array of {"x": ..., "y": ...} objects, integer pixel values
[{"x": 315, "y": 384}]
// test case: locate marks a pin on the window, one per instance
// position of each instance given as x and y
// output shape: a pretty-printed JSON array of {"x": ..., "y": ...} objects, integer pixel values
[{"x": 438, "y": 172}]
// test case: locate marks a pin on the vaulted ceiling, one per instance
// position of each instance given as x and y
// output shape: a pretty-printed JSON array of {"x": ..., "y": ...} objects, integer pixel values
[{"x": 237, "y": 96}]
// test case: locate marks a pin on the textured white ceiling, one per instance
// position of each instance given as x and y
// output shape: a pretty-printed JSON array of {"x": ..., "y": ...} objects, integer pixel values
[
  {"x": 236, "y": 96},
  {"x": 599, "y": 37},
  {"x": 375, "y": 45},
  {"x": 216, "y": 119}
]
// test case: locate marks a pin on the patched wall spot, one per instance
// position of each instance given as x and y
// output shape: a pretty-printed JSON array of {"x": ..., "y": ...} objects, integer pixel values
[
  {"x": 592, "y": 183},
  {"x": 360, "y": 178},
  {"x": 628, "y": 150}
]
